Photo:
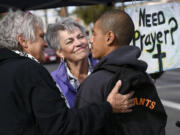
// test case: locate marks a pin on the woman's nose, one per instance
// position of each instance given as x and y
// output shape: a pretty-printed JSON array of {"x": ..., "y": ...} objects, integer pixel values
[{"x": 77, "y": 42}]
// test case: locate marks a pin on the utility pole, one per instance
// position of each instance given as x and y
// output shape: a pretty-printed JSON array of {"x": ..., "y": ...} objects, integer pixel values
[
  {"x": 46, "y": 18},
  {"x": 63, "y": 12}
]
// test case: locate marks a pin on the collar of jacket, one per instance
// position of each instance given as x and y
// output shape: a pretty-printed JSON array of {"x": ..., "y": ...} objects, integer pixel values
[
  {"x": 61, "y": 74},
  {"x": 61, "y": 78},
  {"x": 6, "y": 54}
]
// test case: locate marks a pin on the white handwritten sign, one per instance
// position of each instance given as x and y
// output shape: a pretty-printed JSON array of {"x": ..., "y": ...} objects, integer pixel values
[{"x": 157, "y": 34}]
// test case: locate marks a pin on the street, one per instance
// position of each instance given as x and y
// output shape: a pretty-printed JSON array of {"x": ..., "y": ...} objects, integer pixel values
[{"x": 168, "y": 87}]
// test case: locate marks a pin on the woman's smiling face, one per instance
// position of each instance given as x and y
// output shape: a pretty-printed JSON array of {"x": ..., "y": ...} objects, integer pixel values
[{"x": 74, "y": 45}]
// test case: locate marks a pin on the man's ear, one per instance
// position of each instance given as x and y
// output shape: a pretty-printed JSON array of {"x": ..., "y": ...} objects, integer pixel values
[
  {"x": 110, "y": 37},
  {"x": 22, "y": 41}
]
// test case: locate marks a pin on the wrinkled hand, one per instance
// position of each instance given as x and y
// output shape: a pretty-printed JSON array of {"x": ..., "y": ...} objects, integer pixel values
[{"x": 120, "y": 103}]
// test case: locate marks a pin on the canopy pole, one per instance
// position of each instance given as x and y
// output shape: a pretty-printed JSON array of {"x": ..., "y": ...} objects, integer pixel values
[{"x": 122, "y": 6}]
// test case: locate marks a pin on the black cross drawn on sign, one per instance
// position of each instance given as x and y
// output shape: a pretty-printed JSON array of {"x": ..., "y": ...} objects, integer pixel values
[{"x": 159, "y": 56}]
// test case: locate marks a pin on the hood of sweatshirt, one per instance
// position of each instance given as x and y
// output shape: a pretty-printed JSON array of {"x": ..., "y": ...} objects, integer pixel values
[{"x": 125, "y": 55}]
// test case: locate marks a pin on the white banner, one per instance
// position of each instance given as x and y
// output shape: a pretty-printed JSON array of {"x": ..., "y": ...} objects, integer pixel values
[{"x": 157, "y": 34}]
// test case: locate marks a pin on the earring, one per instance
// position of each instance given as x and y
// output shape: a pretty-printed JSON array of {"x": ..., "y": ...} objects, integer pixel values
[{"x": 62, "y": 59}]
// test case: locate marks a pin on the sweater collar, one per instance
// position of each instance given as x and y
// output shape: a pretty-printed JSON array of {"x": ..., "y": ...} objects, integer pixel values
[{"x": 24, "y": 54}]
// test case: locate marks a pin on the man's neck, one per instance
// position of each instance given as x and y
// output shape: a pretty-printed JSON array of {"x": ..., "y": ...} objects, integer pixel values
[{"x": 111, "y": 49}]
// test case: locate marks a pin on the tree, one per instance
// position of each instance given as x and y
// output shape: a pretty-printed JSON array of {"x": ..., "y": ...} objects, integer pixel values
[
  {"x": 1, "y": 15},
  {"x": 91, "y": 13}
]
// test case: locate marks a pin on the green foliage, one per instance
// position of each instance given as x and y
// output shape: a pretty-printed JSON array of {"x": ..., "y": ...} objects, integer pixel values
[
  {"x": 1, "y": 16},
  {"x": 91, "y": 13}
]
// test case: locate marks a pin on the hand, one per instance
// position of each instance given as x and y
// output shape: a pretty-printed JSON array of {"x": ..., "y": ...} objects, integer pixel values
[{"x": 120, "y": 103}]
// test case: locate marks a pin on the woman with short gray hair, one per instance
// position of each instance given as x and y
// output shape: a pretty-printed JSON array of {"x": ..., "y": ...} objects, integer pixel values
[
  {"x": 69, "y": 40},
  {"x": 65, "y": 23}
]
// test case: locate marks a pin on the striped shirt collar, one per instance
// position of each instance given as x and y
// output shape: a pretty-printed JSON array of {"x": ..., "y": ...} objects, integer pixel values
[{"x": 25, "y": 55}]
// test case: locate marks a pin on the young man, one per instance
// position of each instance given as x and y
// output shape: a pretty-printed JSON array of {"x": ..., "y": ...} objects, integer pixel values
[{"x": 110, "y": 41}]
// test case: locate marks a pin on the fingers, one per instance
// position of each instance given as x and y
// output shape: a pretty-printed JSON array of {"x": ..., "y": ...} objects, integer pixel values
[
  {"x": 131, "y": 103},
  {"x": 120, "y": 103},
  {"x": 126, "y": 111},
  {"x": 116, "y": 87},
  {"x": 129, "y": 95},
  {"x": 122, "y": 110},
  {"x": 123, "y": 103}
]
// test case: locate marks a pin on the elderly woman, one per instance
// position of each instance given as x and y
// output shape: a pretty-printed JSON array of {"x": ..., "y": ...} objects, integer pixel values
[
  {"x": 69, "y": 40},
  {"x": 25, "y": 36}
]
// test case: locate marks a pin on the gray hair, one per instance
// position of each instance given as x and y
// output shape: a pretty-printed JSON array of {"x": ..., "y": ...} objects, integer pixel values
[
  {"x": 65, "y": 23},
  {"x": 16, "y": 23}
]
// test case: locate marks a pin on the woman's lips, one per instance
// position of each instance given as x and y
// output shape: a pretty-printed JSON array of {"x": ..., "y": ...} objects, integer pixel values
[{"x": 80, "y": 49}]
